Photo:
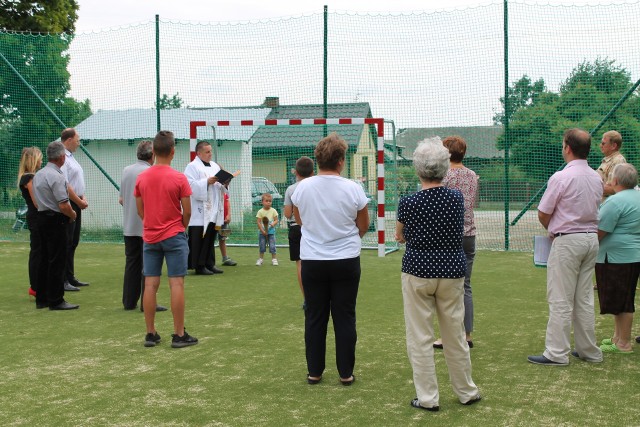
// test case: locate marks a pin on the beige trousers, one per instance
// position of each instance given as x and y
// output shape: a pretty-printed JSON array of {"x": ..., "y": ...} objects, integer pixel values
[
  {"x": 570, "y": 296},
  {"x": 424, "y": 298}
]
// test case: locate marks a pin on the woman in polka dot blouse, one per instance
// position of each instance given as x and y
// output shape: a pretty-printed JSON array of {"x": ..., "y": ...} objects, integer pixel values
[{"x": 431, "y": 223}]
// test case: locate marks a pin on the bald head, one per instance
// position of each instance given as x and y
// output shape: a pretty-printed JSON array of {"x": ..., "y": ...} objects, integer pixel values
[{"x": 579, "y": 141}]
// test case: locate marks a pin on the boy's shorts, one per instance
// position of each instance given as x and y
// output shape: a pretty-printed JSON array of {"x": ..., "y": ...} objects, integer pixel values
[
  {"x": 174, "y": 249},
  {"x": 295, "y": 235}
]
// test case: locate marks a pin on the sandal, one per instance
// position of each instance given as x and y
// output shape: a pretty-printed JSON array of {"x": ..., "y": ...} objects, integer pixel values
[
  {"x": 348, "y": 382},
  {"x": 613, "y": 349},
  {"x": 415, "y": 403},
  {"x": 607, "y": 341},
  {"x": 313, "y": 380}
]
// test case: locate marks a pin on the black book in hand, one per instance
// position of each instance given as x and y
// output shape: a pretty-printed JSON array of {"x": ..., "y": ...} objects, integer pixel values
[{"x": 224, "y": 177}]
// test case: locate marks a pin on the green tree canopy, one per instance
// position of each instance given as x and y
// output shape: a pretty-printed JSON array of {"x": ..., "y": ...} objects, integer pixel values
[
  {"x": 41, "y": 61},
  {"x": 169, "y": 103},
  {"x": 49, "y": 16},
  {"x": 539, "y": 117}
]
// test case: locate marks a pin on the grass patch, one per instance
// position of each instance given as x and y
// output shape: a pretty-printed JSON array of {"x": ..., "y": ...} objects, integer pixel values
[{"x": 88, "y": 367}]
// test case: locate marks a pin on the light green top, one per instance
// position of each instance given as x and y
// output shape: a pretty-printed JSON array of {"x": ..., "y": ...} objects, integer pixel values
[{"x": 620, "y": 217}]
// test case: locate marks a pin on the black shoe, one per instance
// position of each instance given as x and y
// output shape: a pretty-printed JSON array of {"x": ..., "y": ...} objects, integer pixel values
[
  {"x": 183, "y": 341},
  {"x": 216, "y": 270},
  {"x": 476, "y": 399},
  {"x": 68, "y": 287},
  {"x": 130, "y": 308},
  {"x": 158, "y": 308},
  {"x": 415, "y": 403},
  {"x": 440, "y": 346},
  {"x": 64, "y": 306},
  {"x": 150, "y": 340},
  {"x": 638, "y": 339},
  {"x": 77, "y": 283},
  {"x": 40, "y": 305},
  {"x": 204, "y": 271}
]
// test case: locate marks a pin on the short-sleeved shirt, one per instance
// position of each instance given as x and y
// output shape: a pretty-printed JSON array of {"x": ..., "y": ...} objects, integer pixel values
[
  {"x": 271, "y": 214},
  {"x": 572, "y": 198},
  {"x": 607, "y": 165},
  {"x": 131, "y": 222},
  {"x": 73, "y": 173},
  {"x": 287, "y": 201},
  {"x": 328, "y": 206},
  {"x": 50, "y": 188},
  {"x": 466, "y": 181},
  {"x": 161, "y": 188},
  {"x": 620, "y": 217},
  {"x": 433, "y": 227}
]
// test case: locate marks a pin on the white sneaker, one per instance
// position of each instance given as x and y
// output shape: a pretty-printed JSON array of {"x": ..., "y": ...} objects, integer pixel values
[
  {"x": 274, "y": 262},
  {"x": 259, "y": 261}
]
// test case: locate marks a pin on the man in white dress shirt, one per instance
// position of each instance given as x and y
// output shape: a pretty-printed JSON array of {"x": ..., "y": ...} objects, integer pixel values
[
  {"x": 75, "y": 179},
  {"x": 207, "y": 209}
]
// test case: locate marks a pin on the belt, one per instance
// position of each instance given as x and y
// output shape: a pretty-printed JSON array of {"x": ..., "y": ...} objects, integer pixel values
[
  {"x": 575, "y": 232},
  {"x": 50, "y": 213}
]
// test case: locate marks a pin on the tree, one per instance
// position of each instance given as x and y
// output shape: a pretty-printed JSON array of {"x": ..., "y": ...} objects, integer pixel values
[
  {"x": 539, "y": 117},
  {"x": 522, "y": 94},
  {"x": 167, "y": 103},
  {"x": 49, "y": 16},
  {"x": 41, "y": 60}
]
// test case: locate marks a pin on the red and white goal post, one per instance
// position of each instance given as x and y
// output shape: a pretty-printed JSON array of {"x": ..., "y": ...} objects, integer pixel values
[{"x": 378, "y": 122}]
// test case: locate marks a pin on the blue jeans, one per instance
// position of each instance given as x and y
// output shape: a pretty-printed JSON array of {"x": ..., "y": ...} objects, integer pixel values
[{"x": 262, "y": 243}]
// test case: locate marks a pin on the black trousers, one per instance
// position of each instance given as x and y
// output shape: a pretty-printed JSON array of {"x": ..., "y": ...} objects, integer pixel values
[
  {"x": 51, "y": 271},
  {"x": 201, "y": 249},
  {"x": 35, "y": 254},
  {"x": 133, "y": 283},
  {"x": 331, "y": 287},
  {"x": 73, "y": 238}
]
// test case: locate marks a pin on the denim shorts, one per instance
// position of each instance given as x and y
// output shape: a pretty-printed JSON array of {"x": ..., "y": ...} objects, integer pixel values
[
  {"x": 174, "y": 249},
  {"x": 262, "y": 243}
]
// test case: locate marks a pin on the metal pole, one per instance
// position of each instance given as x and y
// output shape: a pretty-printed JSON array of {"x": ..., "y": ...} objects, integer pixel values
[
  {"x": 57, "y": 119},
  {"x": 325, "y": 77},
  {"x": 158, "y": 124},
  {"x": 506, "y": 126}
]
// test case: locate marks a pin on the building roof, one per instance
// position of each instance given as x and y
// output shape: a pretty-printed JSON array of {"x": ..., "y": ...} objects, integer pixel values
[
  {"x": 481, "y": 140},
  {"x": 140, "y": 123},
  {"x": 279, "y": 137}
]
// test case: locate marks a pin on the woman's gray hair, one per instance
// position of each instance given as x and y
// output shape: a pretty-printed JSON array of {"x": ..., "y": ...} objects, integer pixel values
[
  {"x": 626, "y": 175},
  {"x": 55, "y": 150},
  {"x": 431, "y": 159}
]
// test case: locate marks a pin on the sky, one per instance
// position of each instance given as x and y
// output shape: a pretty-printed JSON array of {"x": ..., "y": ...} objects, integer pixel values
[
  {"x": 100, "y": 14},
  {"x": 113, "y": 56}
]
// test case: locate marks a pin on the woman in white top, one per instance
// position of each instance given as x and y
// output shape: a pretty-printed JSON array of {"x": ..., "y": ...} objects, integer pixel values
[{"x": 333, "y": 213}]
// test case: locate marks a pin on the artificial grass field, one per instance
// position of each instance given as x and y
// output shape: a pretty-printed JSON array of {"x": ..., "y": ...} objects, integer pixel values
[{"x": 88, "y": 367}]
